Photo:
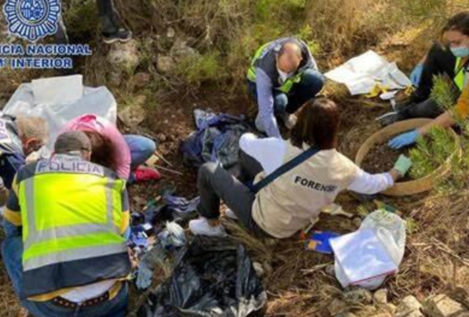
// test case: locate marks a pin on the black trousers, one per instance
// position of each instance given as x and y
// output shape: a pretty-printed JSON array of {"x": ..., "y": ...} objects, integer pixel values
[
  {"x": 108, "y": 17},
  {"x": 216, "y": 184}
]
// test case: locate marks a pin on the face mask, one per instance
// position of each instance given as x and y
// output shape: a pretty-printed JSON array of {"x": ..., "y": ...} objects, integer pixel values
[{"x": 461, "y": 51}]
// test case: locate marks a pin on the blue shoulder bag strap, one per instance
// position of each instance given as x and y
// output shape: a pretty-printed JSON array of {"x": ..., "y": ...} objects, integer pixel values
[{"x": 285, "y": 168}]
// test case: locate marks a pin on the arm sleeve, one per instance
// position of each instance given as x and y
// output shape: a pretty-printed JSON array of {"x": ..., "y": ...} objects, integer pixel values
[
  {"x": 12, "y": 212},
  {"x": 462, "y": 107},
  {"x": 266, "y": 118},
  {"x": 125, "y": 213},
  {"x": 369, "y": 184},
  {"x": 269, "y": 152}
]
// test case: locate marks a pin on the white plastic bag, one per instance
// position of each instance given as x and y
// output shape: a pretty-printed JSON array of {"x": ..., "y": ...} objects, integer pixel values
[{"x": 390, "y": 229}]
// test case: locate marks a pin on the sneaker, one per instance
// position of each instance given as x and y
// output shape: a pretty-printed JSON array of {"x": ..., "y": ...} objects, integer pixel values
[
  {"x": 203, "y": 228},
  {"x": 230, "y": 214},
  {"x": 122, "y": 35},
  {"x": 143, "y": 174},
  {"x": 289, "y": 120}
]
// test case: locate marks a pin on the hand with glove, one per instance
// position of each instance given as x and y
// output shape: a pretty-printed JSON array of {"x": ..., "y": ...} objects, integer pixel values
[
  {"x": 416, "y": 75},
  {"x": 403, "y": 164},
  {"x": 404, "y": 139}
]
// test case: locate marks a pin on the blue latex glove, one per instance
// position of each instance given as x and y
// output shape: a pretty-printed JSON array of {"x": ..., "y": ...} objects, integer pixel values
[
  {"x": 416, "y": 75},
  {"x": 404, "y": 140}
]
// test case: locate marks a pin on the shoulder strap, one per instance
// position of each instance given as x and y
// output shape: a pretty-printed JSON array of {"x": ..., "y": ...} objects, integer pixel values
[{"x": 285, "y": 168}]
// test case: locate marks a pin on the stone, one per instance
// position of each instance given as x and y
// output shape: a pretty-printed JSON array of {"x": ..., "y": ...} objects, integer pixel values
[
  {"x": 171, "y": 32},
  {"x": 357, "y": 222},
  {"x": 358, "y": 296},
  {"x": 330, "y": 270},
  {"x": 124, "y": 55},
  {"x": 380, "y": 297},
  {"x": 443, "y": 306},
  {"x": 391, "y": 308},
  {"x": 181, "y": 50},
  {"x": 409, "y": 307},
  {"x": 161, "y": 137},
  {"x": 165, "y": 64},
  {"x": 134, "y": 115},
  {"x": 259, "y": 269},
  {"x": 115, "y": 78},
  {"x": 337, "y": 307},
  {"x": 141, "y": 79}
]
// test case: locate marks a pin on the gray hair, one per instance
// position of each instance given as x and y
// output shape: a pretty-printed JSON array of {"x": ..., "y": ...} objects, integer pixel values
[
  {"x": 73, "y": 141},
  {"x": 32, "y": 127}
]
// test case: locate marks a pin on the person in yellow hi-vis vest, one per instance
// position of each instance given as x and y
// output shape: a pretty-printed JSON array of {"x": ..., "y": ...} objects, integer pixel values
[
  {"x": 457, "y": 33},
  {"x": 449, "y": 59},
  {"x": 71, "y": 257},
  {"x": 283, "y": 75}
]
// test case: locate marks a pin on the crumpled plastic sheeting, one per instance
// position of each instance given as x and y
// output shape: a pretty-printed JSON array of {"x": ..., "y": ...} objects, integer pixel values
[
  {"x": 214, "y": 277},
  {"x": 362, "y": 73},
  {"x": 98, "y": 101},
  {"x": 216, "y": 139}
]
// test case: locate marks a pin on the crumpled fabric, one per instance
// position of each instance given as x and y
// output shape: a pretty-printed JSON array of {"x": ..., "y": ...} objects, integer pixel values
[
  {"x": 181, "y": 206},
  {"x": 216, "y": 139},
  {"x": 214, "y": 277}
]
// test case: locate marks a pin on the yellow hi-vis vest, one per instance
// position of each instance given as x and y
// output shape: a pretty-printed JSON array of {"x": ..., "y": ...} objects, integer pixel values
[
  {"x": 461, "y": 74},
  {"x": 268, "y": 51},
  {"x": 72, "y": 216}
]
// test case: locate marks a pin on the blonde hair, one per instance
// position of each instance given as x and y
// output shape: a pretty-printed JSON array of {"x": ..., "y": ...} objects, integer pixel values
[{"x": 32, "y": 127}]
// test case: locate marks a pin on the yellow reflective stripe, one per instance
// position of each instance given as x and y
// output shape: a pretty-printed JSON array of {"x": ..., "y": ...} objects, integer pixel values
[
  {"x": 93, "y": 246},
  {"x": 13, "y": 216},
  {"x": 125, "y": 221},
  {"x": 14, "y": 186},
  {"x": 252, "y": 69},
  {"x": 288, "y": 84},
  {"x": 460, "y": 77}
]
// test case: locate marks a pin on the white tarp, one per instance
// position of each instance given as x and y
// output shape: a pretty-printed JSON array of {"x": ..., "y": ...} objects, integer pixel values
[
  {"x": 362, "y": 73},
  {"x": 60, "y": 99}
]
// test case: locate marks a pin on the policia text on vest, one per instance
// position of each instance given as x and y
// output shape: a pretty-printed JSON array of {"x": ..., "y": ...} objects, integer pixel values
[{"x": 314, "y": 185}]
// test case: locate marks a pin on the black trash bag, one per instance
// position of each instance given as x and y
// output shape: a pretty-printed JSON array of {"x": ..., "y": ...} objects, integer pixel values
[{"x": 213, "y": 278}]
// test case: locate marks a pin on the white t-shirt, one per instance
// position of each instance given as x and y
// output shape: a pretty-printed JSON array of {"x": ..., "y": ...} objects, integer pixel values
[
  {"x": 84, "y": 293},
  {"x": 269, "y": 152}
]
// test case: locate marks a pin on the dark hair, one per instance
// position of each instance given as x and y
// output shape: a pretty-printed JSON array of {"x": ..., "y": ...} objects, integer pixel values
[
  {"x": 102, "y": 150},
  {"x": 459, "y": 22},
  {"x": 317, "y": 125}
]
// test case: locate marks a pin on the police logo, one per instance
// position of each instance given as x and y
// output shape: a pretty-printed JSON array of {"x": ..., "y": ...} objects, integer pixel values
[{"x": 32, "y": 19}]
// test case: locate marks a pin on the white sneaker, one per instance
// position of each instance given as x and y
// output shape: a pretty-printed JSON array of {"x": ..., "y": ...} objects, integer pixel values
[
  {"x": 290, "y": 120},
  {"x": 230, "y": 214},
  {"x": 203, "y": 228}
]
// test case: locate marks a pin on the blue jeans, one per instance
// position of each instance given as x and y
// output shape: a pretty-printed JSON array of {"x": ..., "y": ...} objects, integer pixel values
[
  {"x": 141, "y": 149},
  {"x": 12, "y": 251},
  {"x": 310, "y": 85}
]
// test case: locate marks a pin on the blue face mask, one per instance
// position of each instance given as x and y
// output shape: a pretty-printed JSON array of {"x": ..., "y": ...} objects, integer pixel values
[{"x": 461, "y": 51}]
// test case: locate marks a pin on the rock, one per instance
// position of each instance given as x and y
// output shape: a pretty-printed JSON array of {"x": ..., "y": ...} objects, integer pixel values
[
  {"x": 380, "y": 297},
  {"x": 165, "y": 64},
  {"x": 357, "y": 222},
  {"x": 409, "y": 307},
  {"x": 134, "y": 115},
  {"x": 337, "y": 307},
  {"x": 171, "y": 32},
  {"x": 391, "y": 308},
  {"x": 161, "y": 137},
  {"x": 141, "y": 79},
  {"x": 268, "y": 268},
  {"x": 358, "y": 296},
  {"x": 115, "y": 78},
  {"x": 124, "y": 55},
  {"x": 259, "y": 269},
  {"x": 181, "y": 50},
  {"x": 443, "y": 306}
]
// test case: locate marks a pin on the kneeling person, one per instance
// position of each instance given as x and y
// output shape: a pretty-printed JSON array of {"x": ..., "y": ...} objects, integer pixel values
[
  {"x": 282, "y": 77},
  {"x": 71, "y": 257}
]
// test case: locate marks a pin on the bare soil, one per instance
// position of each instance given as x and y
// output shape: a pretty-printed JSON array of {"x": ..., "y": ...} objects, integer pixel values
[{"x": 381, "y": 158}]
